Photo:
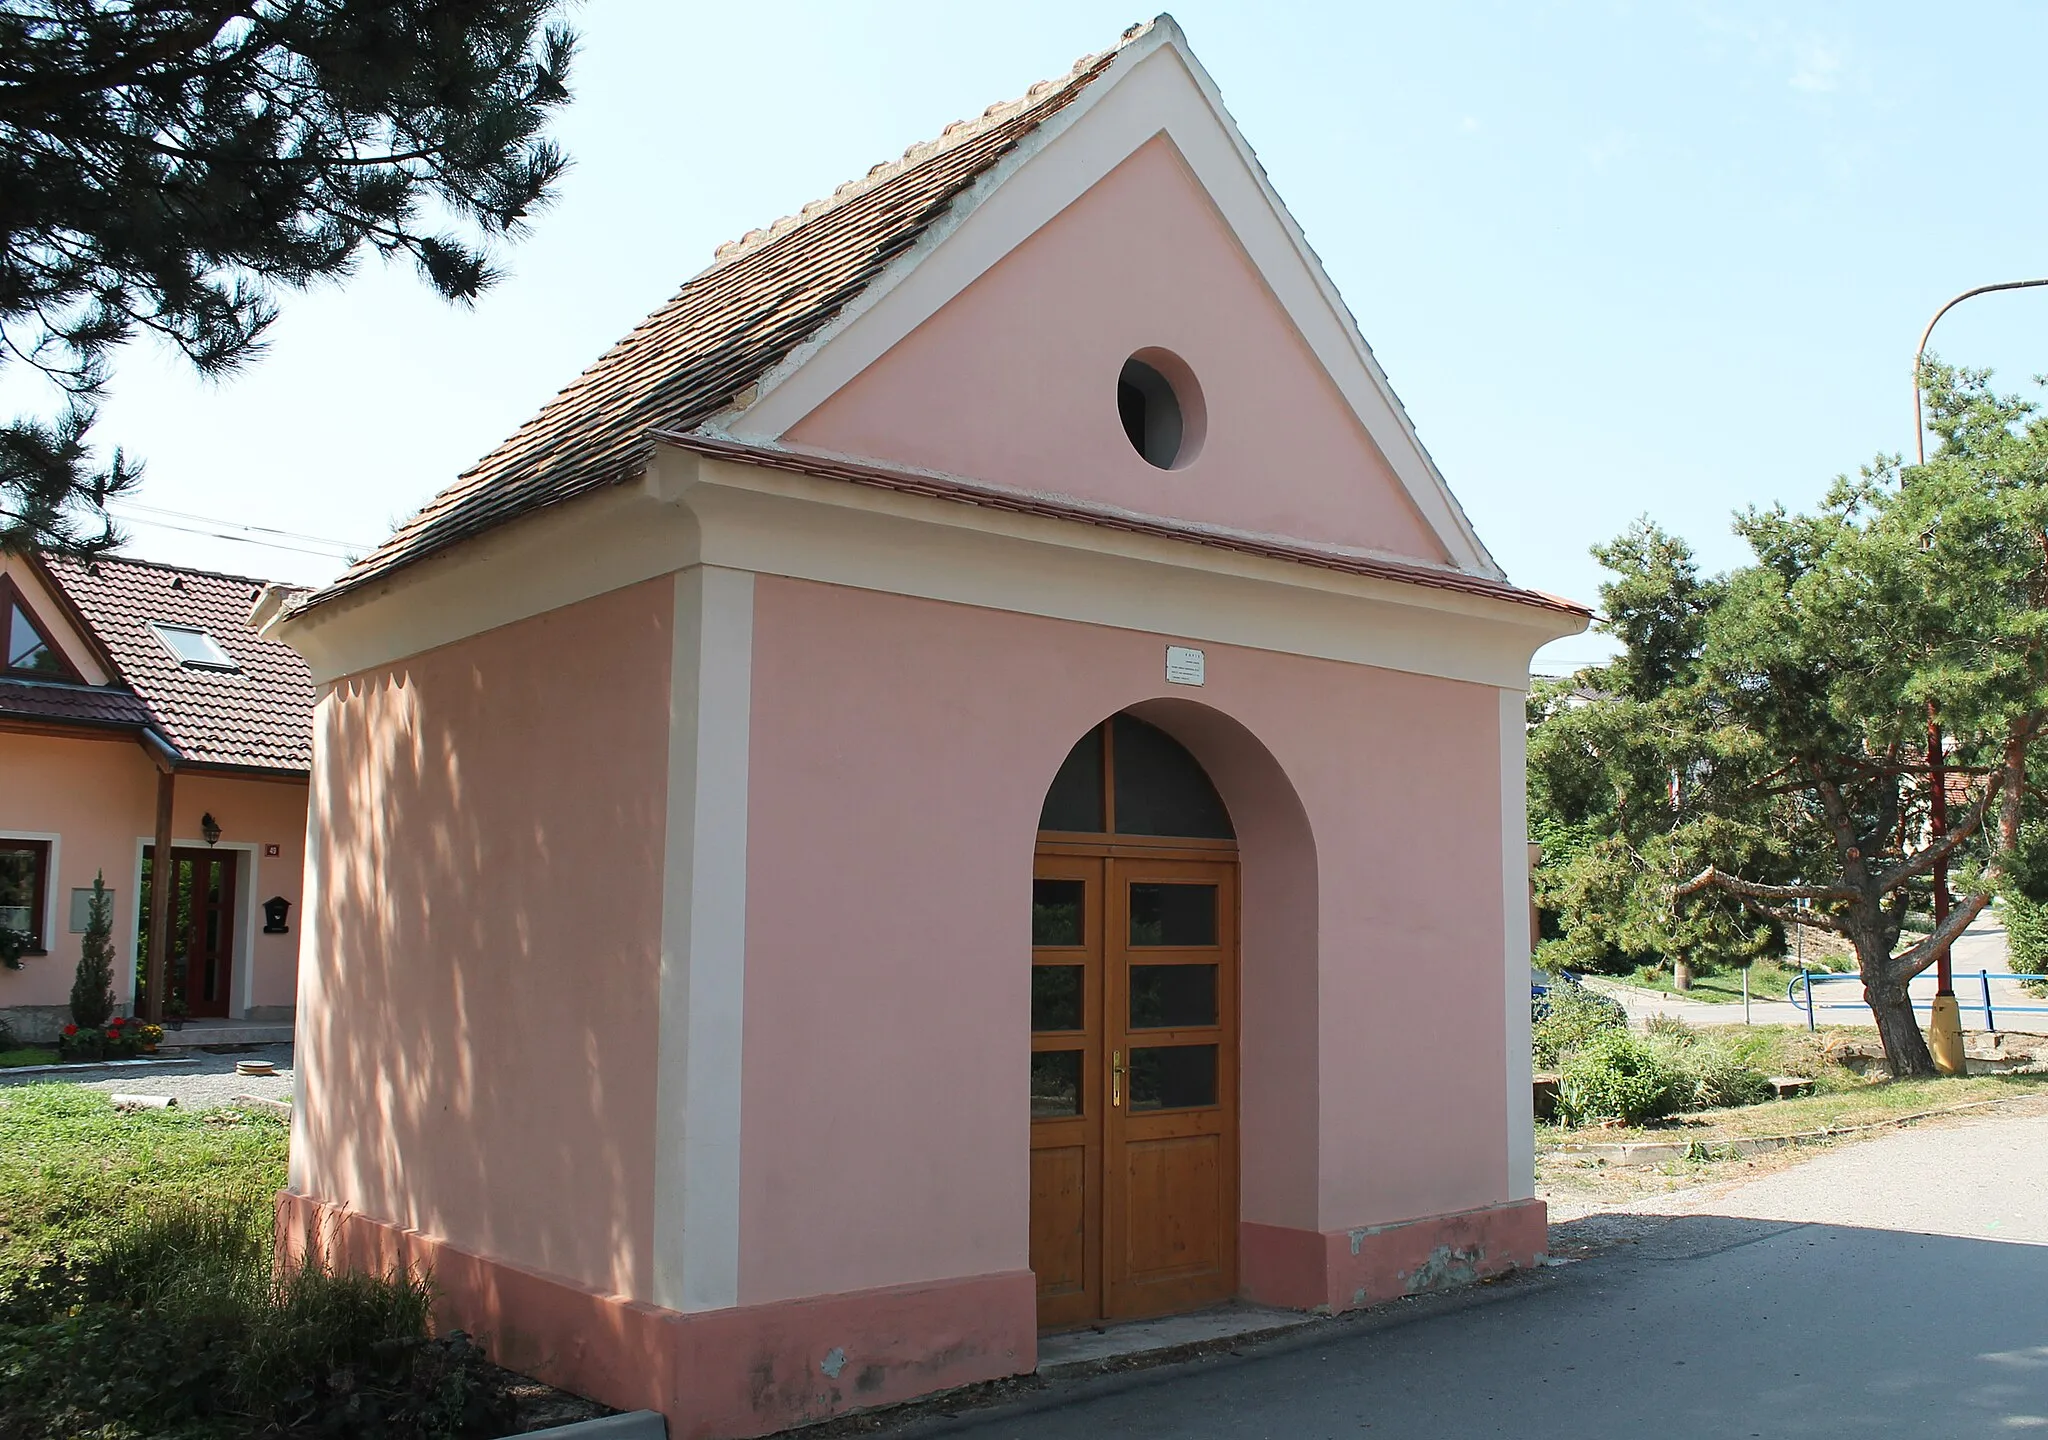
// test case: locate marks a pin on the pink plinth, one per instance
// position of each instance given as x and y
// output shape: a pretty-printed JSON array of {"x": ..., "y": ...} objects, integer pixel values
[
  {"x": 717, "y": 1374},
  {"x": 1338, "y": 1270}
]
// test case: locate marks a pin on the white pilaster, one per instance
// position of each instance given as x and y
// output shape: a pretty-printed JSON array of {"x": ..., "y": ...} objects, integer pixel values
[
  {"x": 1514, "y": 874},
  {"x": 703, "y": 944}
]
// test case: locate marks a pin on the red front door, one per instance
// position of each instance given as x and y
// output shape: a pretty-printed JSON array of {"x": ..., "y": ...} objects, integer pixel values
[{"x": 199, "y": 961}]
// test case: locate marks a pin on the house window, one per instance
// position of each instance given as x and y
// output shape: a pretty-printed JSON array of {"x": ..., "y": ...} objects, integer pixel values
[
  {"x": 1161, "y": 408},
  {"x": 24, "y": 886},
  {"x": 193, "y": 648},
  {"x": 28, "y": 648}
]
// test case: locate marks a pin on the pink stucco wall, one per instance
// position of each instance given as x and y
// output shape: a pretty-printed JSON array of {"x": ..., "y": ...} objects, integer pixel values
[
  {"x": 900, "y": 752},
  {"x": 1014, "y": 380},
  {"x": 478, "y": 1017},
  {"x": 99, "y": 798}
]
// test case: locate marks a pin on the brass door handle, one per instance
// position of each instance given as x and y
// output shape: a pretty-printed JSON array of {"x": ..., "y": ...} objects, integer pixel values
[{"x": 1116, "y": 1078}]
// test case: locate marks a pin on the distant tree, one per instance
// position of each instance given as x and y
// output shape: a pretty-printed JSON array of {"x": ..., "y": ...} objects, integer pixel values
[
  {"x": 92, "y": 987},
  {"x": 1761, "y": 742},
  {"x": 168, "y": 168},
  {"x": 1628, "y": 792},
  {"x": 1903, "y": 587}
]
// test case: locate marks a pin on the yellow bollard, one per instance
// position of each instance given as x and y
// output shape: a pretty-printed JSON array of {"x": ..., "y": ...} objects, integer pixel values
[{"x": 1945, "y": 1035}]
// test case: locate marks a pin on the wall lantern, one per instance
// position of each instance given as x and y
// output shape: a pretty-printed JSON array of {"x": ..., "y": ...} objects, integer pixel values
[
  {"x": 275, "y": 909},
  {"x": 210, "y": 828}
]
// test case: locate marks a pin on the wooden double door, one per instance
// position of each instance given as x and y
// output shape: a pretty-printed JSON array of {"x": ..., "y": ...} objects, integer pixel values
[
  {"x": 199, "y": 961},
  {"x": 1133, "y": 1084}
]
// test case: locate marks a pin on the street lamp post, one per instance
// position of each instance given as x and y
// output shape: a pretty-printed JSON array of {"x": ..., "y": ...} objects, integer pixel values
[{"x": 1945, "y": 1020}]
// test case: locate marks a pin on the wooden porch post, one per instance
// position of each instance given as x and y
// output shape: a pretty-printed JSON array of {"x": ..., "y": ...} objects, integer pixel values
[{"x": 161, "y": 883}]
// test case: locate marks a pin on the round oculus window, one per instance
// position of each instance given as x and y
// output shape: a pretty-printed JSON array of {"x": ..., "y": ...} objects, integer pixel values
[{"x": 1161, "y": 408}]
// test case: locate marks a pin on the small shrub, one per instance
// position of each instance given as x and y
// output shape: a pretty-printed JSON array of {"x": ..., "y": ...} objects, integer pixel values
[
  {"x": 1718, "y": 1079},
  {"x": 1714, "y": 1070},
  {"x": 1651, "y": 975},
  {"x": 1616, "y": 1076},
  {"x": 1572, "y": 1018}
]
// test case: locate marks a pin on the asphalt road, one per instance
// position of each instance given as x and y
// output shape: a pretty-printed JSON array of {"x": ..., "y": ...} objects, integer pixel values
[{"x": 1897, "y": 1288}]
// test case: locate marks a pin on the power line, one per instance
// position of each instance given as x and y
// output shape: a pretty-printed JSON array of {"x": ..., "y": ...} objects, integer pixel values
[{"x": 237, "y": 531}]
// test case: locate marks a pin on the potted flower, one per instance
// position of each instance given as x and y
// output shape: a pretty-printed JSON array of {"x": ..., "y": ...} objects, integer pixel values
[{"x": 75, "y": 1042}]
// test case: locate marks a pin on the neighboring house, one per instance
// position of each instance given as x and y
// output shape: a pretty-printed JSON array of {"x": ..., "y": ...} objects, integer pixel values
[
  {"x": 127, "y": 686},
  {"x": 965, "y": 777}
]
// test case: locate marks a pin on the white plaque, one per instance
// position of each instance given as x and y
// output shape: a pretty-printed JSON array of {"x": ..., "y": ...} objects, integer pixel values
[{"x": 1183, "y": 665}]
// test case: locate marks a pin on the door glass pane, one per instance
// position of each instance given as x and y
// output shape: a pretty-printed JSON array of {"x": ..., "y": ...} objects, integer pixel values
[
  {"x": 1056, "y": 911},
  {"x": 1169, "y": 997},
  {"x": 1055, "y": 1083},
  {"x": 1056, "y": 997},
  {"x": 1074, "y": 801},
  {"x": 1161, "y": 789},
  {"x": 1177, "y": 1077},
  {"x": 1164, "y": 914}
]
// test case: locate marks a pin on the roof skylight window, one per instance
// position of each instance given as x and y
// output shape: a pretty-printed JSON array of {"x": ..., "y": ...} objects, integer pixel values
[{"x": 194, "y": 648}]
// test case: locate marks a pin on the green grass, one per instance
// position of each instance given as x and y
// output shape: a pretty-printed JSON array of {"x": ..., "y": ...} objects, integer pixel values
[
  {"x": 139, "y": 1301},
  {"x": 28, "y": 1055},
  {"x": 74, "y": 1171},
  {"x": 1767, "y": 981}
]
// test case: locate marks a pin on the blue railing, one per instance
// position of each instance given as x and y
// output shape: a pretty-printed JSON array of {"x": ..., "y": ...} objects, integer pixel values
[{"x": 1800, "y": 990}]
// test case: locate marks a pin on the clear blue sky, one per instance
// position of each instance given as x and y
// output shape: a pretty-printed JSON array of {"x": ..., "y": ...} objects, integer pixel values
[{"x": 1616, "y": 259}]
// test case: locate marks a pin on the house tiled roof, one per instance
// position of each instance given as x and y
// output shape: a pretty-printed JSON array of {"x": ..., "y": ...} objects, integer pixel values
[
  {"x": 72, "y": 704},
  {"x": 257, "y": 716},
  {"x": 764, "y": 296}
]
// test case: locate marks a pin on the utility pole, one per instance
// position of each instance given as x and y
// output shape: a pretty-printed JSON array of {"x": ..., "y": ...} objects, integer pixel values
[{"x": 1945, "y": 1022}]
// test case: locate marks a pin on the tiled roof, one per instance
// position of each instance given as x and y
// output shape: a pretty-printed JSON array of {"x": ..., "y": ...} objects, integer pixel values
[
  {"x": 77, "y": 704},
  {"x": 993, "y": 497},
  {"x": 763, "y": 297},
  {"x": 259, "y": 715}
]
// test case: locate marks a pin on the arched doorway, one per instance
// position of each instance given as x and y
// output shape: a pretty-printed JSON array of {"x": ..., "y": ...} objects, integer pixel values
[{"x": 1134, "y": 1043}]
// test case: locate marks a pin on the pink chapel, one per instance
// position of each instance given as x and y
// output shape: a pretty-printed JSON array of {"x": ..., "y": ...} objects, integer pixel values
[{"x": 963, "y": 781}]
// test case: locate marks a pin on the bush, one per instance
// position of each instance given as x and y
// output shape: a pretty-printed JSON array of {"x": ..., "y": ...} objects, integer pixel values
[
  {"x": 177, "y": 1326},
  {"x": 1713, "y": 1072},
  {"x": 2026, "y": 933},
  {"x": 1573, "y": 1017},
  {"x": 1718, "y": 1079},
  {"x": 1615, "y": 1076}
]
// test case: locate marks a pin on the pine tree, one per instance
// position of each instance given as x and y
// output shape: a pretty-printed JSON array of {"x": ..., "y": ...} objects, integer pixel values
[
  {"x": 172, "y": 168},
  {"x": 92, "y": 989}
]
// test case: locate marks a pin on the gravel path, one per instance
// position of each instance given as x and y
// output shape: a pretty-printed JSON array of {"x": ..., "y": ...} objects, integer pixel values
[{"x": 211, "y": 1082}]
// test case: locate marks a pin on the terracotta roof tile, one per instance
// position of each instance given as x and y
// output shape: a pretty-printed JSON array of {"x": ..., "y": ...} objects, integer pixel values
[
  {"x": 259, "y": 715},
  {"x": 765, "y": 295},
  {"x": 81, "y": 704}
]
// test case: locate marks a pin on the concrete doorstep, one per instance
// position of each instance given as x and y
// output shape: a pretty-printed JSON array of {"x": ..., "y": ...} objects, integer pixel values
[{"x": 1075, "y": 1351}]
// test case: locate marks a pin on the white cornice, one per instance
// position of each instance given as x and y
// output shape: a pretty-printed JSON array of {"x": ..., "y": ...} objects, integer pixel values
[{"x": 691, "y": 510}]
